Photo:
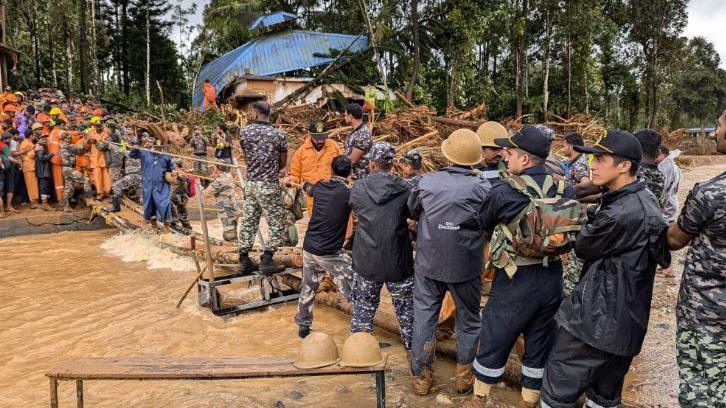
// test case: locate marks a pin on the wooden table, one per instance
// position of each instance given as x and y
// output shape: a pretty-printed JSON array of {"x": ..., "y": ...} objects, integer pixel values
[{"x": 171, "y": 368}]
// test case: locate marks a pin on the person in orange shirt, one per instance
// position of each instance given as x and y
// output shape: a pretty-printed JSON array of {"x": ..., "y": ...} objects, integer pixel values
[
  {"x": 99, "y": 112},
  {"x": 210, "y": 96},
  {"x": 56, "y": 163},
  {"x": 311, "y": 162},
  {"x": 27, "y": 155},
  {"x": 101, "y": 178}
]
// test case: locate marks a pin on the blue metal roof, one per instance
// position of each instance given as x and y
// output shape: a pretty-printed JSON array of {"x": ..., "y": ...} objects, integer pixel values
[
  {"x": 270, "y": 19},
  {"x": 276, "y": 53}
]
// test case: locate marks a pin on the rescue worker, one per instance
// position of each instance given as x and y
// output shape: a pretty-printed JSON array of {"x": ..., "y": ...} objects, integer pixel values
[
  {"x": 42, "y": 172},
  {"x": 97, "y": 139},
  {"x": 265, "y": 151},
  {"x": 156, "y": 194},
  {"x": 601, "y": 326},
  {"x": 411, "y": 163},
  {"x": 648, "y": 172},
  {"x": 701, "y": 350},
  {"x": 210, "y": 96},
  {"x": 491, "y": 154},
  {"x": 199, "y": 144},
  {"x": 71, "y": 177},
  {"x": 311, "y": 162},
  {"x": 27, "y": 154},
  {"x": 223, "y": 148},
  {"x": 525, "y": 302},
  {"x": 449, "y": 257},
  {"x": 56, "y": 162},
  {"x": 131, "y": 181},
  {"x": 180, "y": 196},
  {"x": 114, "y": 157},
  {"x": 382, "y": 254},
  {"x": 358, "y": 142},
  {"x": 323, "y": 244},
  {"x": 222, "y": 188}
]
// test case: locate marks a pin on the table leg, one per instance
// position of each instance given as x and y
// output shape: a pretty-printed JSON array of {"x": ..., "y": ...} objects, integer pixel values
[
  {"x": 53, "y": 393},
  {"x": 381, "y": 389},
  {"x": 79, "y": 393}
]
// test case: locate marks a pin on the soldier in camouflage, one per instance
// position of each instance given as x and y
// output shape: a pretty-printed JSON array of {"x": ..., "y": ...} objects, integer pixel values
[
  {"x": 265, "y": 152},
  {"x": 72, "y": 178},
  {"x": 199, "y": 144},
  {"x": 180, "y": 196},
  {"x": 648, "y": 172},
  {"x": 131, "y": 181},
  {"x": 578, "y": 172},
  {"x": 702, "y": 298},
  {"x": 358, "y": 142},
  {"x": 114, "y": 156},
  {"x": 222, "y": 188}
]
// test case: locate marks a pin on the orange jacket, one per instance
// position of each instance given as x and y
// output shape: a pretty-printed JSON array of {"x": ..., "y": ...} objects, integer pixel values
[
  {"x": 54, "y": 146},
  {"x": 310, "y": 165},
  {"x": 210, "y": 96},
  {"x": 82, "y": 160},
  {"x": 28, "y": 155},
  {"x": 98, "y": 158}
]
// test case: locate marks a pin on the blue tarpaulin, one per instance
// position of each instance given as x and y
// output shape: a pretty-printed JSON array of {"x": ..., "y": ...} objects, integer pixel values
[{"x": 275, "y": 53}]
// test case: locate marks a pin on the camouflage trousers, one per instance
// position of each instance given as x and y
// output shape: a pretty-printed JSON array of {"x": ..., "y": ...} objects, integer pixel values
[
  {"x": 115, "y": 173},
  {"x": 201, "y": 167},
  {"x": 702, "y": 367},
  {"x": 73, "y": 179},
  {"x": 365, "y": 298},
  {"x": 126, "y": 183},
  {"x": 571, "y": 275},
  {"x": 262, "y": 196},
  {"x": 179, "y": 208},
  {"x": 314, "y": 268}
]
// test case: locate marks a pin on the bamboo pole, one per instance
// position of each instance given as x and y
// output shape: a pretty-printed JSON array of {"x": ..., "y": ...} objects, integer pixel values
[
  {"x": 200, "y": 272},
  {"x": 205, "y": 234}
]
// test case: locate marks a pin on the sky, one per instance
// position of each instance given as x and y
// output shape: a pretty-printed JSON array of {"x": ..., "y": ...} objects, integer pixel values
[{"x": 706, "y": 18}]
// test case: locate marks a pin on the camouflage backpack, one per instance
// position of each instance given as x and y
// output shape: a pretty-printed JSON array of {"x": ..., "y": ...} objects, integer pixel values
[{"x": 544, "y": 229}]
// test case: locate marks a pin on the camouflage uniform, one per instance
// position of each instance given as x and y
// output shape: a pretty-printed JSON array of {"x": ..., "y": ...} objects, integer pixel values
[
  {"x": 262, "y": 145},
  {"x": 366, "y": 296},
  {"x": 223, "y": 189},
  {"x": 130, "y": 180},
  {"x": 361, "y": 139},
  {"x": 200, "y": 151},
  {"x": 180, "y": 199},
  {"x": 653, "y": 179},
  {"x": 72, "y": 178},
  {"x": 578, "y": 169},
  {"x": 115, "y": 158},
  {"x": 702, "y": 298},
  {"x": 314, "y": 268}
]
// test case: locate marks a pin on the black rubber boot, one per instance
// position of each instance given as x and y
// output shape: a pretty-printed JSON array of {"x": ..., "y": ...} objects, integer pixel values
[
  {"x": 246, "y": 266},
  {"x": 303, "y": 331},
  {"x": 269, "y": 266},
  {"x": 115, "y": 204}
]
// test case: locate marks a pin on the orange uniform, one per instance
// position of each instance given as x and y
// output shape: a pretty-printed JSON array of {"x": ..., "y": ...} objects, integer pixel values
[
  {"x": 42, "y": 117},
  {"x": 310, "y": 165},
  {"x": 56, "y": 163},
  {"x": 83, "y": 162},
  {"x": 101, "y": 178},
  {"x": 27, "y": 153},
  {"x": 210, "y": 96}
]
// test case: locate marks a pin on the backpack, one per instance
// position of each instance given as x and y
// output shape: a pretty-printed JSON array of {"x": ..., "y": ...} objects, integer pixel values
[{"x": 544, "y": 229}]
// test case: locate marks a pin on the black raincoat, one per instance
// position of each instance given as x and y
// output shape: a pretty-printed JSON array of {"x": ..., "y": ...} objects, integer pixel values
[
  {"x": 622, "y": 243},
  {"x": 382, "y": 249}
]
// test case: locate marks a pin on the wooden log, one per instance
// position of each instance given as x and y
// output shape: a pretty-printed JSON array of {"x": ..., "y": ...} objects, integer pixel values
[{"x": 474, "y": 125}]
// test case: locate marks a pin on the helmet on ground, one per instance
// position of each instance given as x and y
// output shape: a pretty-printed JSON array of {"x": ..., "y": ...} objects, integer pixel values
[
  {"x": 56, "y": 111},
  {"x": 489, "y": 131},
  {"x": 462, "y": 147},
  {"x": 317, "y": 350},
  {"x": 361, "y": 350}
]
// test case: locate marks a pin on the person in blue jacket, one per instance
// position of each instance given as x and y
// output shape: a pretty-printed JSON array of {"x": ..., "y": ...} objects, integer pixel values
[{"x": 157, "y": 193}]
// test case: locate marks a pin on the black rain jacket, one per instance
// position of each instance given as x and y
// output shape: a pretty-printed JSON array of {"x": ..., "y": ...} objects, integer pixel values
[
  {"x": 622, "y": 243},
  {"x": 382, "y": 249}
]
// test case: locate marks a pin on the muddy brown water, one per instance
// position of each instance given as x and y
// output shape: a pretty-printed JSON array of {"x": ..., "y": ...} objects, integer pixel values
[{"x": 96, "y": 294}]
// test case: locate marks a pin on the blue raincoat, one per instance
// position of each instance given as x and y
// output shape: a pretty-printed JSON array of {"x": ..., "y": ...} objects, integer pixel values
[{"x": 157, "y": 193}]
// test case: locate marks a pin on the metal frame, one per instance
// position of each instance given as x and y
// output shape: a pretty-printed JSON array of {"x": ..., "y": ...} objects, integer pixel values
[{"x": 272, "y": 292}]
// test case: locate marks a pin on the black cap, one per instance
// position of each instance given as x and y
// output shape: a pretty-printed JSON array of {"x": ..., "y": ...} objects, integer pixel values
[
  {"x": 532, "y": 139},
  {"x": 617, "y": 142},
  {"x": 318, "y": 129}
]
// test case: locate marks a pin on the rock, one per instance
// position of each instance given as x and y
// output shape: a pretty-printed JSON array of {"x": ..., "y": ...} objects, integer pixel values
[
  {"x": 296, "y": 395},
  {"x": 442, "y": 399}
]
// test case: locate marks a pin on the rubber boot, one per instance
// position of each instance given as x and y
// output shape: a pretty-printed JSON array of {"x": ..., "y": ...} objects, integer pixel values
[
  {"x": 464, "y": 378},
  {"x": 115, "y": 204},
  {"x": 45, "y": 206},
  {"x": 33, "y": 204},
  {"x": 246, "y": 266},
  {"x": 529, "y": 398},
  {"x": 269, "y": 266},
  {"x": 303, "y": 331},
  {"x": 422, "y": 384}
]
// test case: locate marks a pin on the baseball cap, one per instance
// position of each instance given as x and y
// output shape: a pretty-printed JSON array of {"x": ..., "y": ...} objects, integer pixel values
[
  {"x": 617, "y": 142},
  {"x": 382, "y": 152},
  {"x": 318, "y": 130},
  {"x": 532, "y": 139}
]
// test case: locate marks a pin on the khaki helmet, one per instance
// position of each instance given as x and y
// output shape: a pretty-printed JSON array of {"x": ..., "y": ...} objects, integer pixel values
[
  {"x": 489, "y": 131},
  {"x": 317, "y": 350},
  {"x": 361, "y": 350},
  {"x": 462, "y": 147}
]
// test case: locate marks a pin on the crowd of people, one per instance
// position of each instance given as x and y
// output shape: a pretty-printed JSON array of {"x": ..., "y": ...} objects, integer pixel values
[{"x": 571, "y": 251}]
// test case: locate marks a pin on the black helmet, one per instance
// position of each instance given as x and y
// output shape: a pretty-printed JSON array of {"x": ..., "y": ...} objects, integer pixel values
[{"x": 413, "y": 157}]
